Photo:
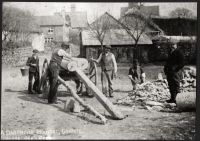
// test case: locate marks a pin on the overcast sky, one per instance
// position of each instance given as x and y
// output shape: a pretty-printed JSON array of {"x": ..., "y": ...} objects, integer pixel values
[{"x": 95, "y": 9}]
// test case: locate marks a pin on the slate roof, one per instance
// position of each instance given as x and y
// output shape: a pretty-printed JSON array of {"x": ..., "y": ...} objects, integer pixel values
[
  {"x": 54, "y": 20},
  {"x": 114, "y": 37},
  {"x": 106, "y": 16}
]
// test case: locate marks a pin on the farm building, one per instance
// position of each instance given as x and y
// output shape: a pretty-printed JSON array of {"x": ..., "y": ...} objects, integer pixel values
[
  {"x": 121, "y": 42},
  {"x": 177, "y": 26},
  {"x": 123, "y": 45},
  {"x": 53, "y": 28},
  {"x": 57, "y": 27},
  {"x": 183, "y": 29}
]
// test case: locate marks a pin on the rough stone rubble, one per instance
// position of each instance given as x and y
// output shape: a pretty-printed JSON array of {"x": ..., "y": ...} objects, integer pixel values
[{"x": 152, "y": 95}]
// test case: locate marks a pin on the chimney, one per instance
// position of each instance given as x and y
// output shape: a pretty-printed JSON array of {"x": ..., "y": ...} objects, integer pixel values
[
  {"x": 132, "y": 4},
  {"x": 63, "y": 12},
  {"x": 73, "y": 8}
]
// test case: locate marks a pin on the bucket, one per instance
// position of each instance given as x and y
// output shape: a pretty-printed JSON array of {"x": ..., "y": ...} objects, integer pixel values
[
  {"x": 186, "y": 100},
  {"x": 24, "y": 71}
]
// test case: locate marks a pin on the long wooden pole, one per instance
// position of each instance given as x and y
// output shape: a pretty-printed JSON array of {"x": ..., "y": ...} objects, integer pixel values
[
  {"x": 77, "y": 98},
  {"x": 100, "y": 96},
  {"x": 72, "y": 66}
]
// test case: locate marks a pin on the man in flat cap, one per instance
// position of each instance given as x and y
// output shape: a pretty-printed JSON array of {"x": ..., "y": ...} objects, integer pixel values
[
  {"x": 109, "y": 69},
  {"x": 173, "y": 70},
  {"x": 33, "y": 63},
  {"x": 54, "y": 69}
]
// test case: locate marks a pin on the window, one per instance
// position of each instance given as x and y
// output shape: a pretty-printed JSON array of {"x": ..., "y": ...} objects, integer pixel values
[
  {"x": 48, "y": 40},
  {"x": 50, "y": 30}
]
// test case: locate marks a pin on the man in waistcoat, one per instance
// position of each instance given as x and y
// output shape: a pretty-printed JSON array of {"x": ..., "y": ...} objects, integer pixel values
[
  {"x": 33, "y": 63},
  {"x": 54, "y": 69},
  {"x": 172, "y": 69},
  {"x": 108, "y": 70}
]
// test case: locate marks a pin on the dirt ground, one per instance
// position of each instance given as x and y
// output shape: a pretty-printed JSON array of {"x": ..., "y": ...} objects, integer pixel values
[{"x": 25, "y": 116}]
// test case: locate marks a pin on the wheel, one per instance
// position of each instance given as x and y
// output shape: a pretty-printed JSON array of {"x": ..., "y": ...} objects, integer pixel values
[
  {"x": 44, "y": 80},
  {"x": 93, "y": 76}
]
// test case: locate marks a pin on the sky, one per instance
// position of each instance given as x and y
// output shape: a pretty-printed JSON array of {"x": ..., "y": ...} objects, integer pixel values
[{"x": 94, "y": 9}]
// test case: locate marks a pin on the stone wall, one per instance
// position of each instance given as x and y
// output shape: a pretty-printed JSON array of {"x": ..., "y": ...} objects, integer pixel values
[{"x": 16, "y": 57}]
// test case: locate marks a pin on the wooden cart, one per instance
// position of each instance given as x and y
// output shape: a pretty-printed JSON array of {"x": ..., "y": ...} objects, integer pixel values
[
  {"x": 86, "y": 72},
  {"x": 90, "y": 69}
]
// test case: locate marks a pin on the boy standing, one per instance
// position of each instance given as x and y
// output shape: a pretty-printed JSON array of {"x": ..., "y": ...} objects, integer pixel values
[
  {"x": 136, "y": 74},
  {"x": 33, "y": 63}
]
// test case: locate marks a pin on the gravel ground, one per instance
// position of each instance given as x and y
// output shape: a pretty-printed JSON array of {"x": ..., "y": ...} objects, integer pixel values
[{"x": 25, "y": 116}]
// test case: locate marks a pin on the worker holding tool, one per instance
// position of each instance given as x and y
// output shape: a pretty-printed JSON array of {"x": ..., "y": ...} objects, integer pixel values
[
  {"x": 172, "y": 69},
  {"x": 109, "y": 69},
  {"x": 136, "y": 74},
  {"x": 54, "y": 68}
]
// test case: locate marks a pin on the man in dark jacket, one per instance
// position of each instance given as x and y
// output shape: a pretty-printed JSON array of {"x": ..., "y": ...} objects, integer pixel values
[
  {"x": 33, "y": 63},
  {"x": 173, "y": 72}
]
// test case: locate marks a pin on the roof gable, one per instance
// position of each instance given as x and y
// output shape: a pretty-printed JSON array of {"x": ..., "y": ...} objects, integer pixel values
[
  {"x": 108, "y": 17},
  {"x": 134, "y": 12},
  {"x": 54, "y": 20}
]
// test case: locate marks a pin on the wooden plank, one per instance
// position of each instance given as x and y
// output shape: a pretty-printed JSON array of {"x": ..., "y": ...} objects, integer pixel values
[
  {"x": 76, "y": 97},
  {"x": 100, "y": 96}
]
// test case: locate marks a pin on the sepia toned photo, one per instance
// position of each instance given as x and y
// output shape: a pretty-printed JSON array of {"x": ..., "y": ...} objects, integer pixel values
[{"x": 104, "y": 70}]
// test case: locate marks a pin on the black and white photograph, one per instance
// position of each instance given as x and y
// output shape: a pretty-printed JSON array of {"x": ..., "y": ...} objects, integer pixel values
[{"x": 99, "y": 70}]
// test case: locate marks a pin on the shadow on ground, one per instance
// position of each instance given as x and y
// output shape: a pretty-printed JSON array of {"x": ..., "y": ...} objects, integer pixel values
[{"x": 84, "y": 114}]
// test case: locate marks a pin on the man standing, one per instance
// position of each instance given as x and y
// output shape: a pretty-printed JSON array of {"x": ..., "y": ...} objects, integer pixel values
[
  {"x": 33, "y": 63},
  {"x": 136, "y": 74},
  {"x": 54, "y": 69},
  {"x": 109, "y": 69},
  {"x": 172, "y": 70}
]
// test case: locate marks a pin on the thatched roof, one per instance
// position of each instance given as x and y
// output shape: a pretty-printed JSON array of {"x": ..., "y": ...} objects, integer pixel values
[{"x": 113, "y": 37}]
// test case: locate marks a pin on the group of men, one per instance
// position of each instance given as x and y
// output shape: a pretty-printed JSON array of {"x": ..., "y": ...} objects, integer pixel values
[
  {"x": 108, "y": 65},
  {"x": 173, "y": 70},
  {"x": 53, "y": 71}
]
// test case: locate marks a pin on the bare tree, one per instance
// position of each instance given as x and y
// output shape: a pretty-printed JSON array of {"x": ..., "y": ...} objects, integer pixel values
[
  {"x": 135, "y": 23},
  {"x": 181, "y": 12},
  {"x": 100, "y": 27},
  {"x": 16, "y": 23}
]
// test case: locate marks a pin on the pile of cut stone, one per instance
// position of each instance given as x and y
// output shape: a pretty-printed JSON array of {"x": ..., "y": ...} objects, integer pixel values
[
  {"x": 152, "y": 95},
  {"x": 188, "y": 82},
  {"x": 149, "y": 91}
]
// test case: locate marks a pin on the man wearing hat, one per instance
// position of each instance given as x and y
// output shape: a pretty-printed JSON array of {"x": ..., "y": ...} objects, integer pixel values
[
  {"x": 172, "y": 69},
  {"x": 33, "y": 63},
  {"x": 109, "y": 69},
  {"x": 54, "y": 69}
]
